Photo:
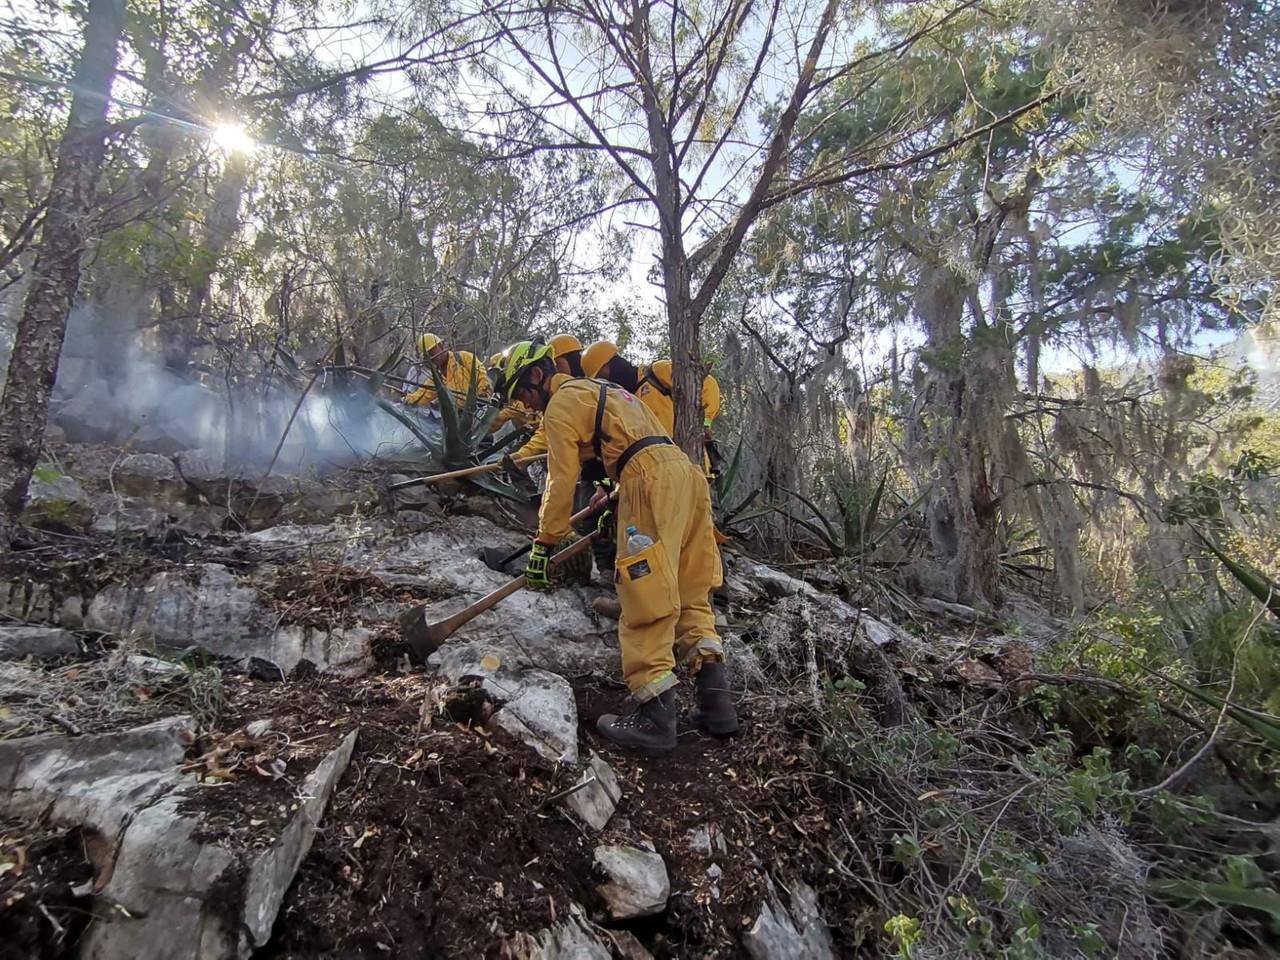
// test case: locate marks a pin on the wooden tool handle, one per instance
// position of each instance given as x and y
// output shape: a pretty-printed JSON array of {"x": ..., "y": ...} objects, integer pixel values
[
  {"x": 444, "y": 629},
  {"x": 465, "y": 472},
  {"x": 430, "y": 636}
]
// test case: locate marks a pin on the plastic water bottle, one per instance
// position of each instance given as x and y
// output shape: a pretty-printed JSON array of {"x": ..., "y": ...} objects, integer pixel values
[{"x": 637, "y": 541}]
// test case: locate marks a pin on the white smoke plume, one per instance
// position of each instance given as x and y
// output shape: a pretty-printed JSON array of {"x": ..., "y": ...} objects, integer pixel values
[{"x": 124, "y": 394}]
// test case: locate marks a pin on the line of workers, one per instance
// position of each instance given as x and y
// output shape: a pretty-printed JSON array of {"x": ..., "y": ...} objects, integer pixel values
[{"x": 601, "y": 417}]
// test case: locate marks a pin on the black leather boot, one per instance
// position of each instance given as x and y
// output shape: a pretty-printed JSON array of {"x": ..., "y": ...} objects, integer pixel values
[
  {"x": 650, "y": 729},
  {"x": 714, "y": 712}
]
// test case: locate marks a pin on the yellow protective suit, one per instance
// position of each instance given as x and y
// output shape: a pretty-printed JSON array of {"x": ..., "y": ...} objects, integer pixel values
[
  {"x": 536, "y": 445},
  {"x": 655, "y": 391},
  {"x": 457, "y": 376},
  {"x": 520, "y": 415},
  {"x": 665, "y": 588}
]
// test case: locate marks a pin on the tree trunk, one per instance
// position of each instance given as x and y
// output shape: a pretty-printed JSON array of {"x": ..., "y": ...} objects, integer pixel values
[
  {"x": 33, "y": 366},
  {"x": 948, "y": 436}
]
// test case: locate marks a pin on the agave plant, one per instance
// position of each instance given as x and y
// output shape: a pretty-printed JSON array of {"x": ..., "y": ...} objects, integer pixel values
[
  {"x": 860, "y": 527},
  {"x": 456, "y": 439},
  {"x": 1255, "y": 581},
  {"x": 727, "y": 511}
]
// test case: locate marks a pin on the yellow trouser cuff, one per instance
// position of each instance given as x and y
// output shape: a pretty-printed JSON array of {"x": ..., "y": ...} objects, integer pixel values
[
  {"x": 646, "y": 692},
  {"x": 708, "y": 648}
]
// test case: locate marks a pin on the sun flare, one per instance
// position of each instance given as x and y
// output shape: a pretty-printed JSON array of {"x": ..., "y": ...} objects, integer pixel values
[{"x": 233, "y": 138}]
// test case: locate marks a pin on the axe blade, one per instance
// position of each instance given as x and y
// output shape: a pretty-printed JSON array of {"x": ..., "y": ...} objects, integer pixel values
[{"x": 418, "y": 633}]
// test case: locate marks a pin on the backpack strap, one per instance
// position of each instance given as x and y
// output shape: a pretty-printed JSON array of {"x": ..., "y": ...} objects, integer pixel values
[
  {"x": 651, "y": 377},
  {"x": 599, "y": 436}
]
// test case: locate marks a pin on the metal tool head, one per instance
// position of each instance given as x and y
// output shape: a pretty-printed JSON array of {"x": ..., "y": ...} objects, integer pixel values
[{"x": 423, "y": 638}]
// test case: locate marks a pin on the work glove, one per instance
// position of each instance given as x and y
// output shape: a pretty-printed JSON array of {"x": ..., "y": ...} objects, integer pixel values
[
  {"x": 537, "y": 570},
  {"x": 600, "y": 501},
  {"x": 517, "y": 475}
]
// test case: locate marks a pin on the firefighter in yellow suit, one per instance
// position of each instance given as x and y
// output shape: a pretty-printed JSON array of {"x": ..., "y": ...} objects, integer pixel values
[
  {"x": 456, "y": 370},
  {"x": 652, "y": 384},
  {"x": 664, "y": 588}
]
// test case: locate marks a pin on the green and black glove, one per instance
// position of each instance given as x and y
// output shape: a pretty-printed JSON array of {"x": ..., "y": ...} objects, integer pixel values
[
  {"x": 604, "y": 520},
  {"x": 536, "y": 571}
]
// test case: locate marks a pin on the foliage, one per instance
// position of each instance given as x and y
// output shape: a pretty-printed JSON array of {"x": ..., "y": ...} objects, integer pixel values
[
  {"x": 731, "y": 509},
  {"x": 862, "y": 521}
]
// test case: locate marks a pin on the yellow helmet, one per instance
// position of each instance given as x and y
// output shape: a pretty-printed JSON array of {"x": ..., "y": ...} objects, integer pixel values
[
  {"x": 498, "y": 360},
  {"x": 563, "y": 343},
  {"x": 519, "y": 357},
  {"x": 596, "y": 356},
  {"x": 427, "y": 342}
]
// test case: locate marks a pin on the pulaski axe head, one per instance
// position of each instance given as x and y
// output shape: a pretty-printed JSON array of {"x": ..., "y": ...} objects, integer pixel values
[{"x": 423, "y": 638}]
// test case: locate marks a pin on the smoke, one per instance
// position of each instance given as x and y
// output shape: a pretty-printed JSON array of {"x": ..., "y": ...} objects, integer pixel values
[{"x": 117, "y": 392}]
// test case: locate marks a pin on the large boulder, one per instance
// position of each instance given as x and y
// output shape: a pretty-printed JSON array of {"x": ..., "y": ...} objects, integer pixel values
[
  {"x": 188, "y": 897},
  {"x": 92, "y": 415},
  {"x": 210, "y": 609},
  {"x": 556, "y": 631},
  {"x": 55, "y": 499},
  {"x": 98, "y": 780},
  {"x": 148, "y": 475},
  {"x": 170, "y": 888}
]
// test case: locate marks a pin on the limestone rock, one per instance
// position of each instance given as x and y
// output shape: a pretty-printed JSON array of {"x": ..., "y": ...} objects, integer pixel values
[
  {"x": 92, "y": 415},
  {"x": 188, "y": 898},
  {"x": 37, "y": 602},
  {"x": 272, "y": 874},
  {"x": 147, "y": 475},
  {"x": 956, "y": 611},
  {"x": 537, "y": 706},
  {"x": 594, "y": 803},
  {"x": 43, "y": 643},
  {"x": 574, "y": 938},
  {"x": 225, "y": 617},
  {"x": 55, "y": 498},
  {"x": 97, "y": 780},
  {"x": 880, "y": 633},
  {"x": 707, "y": 840},
  {"x": 152, "y": 668},
  {"x": 794, "y": 933},
  {"x": 636, "y": 883}
]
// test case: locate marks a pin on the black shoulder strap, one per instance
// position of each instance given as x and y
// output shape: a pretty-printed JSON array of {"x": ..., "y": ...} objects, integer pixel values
[
  {"x": 651, "y": 377},
  {"x": 598, "y": 438}
]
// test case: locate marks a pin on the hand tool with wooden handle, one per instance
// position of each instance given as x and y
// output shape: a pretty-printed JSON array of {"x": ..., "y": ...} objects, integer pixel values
[
  {"x": 425, "y": 638},
  {"x": 465, "y": 472}
]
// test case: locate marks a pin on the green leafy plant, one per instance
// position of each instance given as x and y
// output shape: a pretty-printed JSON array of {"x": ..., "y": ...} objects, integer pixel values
[
  {"x": 1263, "y": 589},
  {"x": 905, "y": 933}
]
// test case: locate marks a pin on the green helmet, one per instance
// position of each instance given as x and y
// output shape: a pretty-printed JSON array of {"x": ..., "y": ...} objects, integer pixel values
[{"x": 519, "y": 358}]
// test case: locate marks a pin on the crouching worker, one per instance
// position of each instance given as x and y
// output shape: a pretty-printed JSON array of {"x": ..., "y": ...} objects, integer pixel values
[{"x": 664, "y": 588}]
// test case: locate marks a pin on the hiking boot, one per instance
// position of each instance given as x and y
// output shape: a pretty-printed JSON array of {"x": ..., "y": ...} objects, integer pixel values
[
  {"x": 650, "y": 729},
  {"x": 610, "y": 607},
  {"x": 714, "y": 712}
]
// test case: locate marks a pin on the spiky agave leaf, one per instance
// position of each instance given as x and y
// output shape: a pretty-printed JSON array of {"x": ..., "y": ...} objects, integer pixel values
[{"x": 1254, "y": 581}]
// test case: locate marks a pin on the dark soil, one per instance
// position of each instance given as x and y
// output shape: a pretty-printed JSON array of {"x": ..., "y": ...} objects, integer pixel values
[
  {"x": 434, "y": 844},
  {"x": 437, "y": 842},
  {"x": 40, "y": 916}
]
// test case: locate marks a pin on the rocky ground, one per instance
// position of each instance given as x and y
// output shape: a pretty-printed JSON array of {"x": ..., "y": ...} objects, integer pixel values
[{"x": 213, "y": 742}]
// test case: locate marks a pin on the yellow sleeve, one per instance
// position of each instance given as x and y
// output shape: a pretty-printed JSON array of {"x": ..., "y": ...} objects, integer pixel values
[
  {"x": 562, "y": 471},
  {"x": 710, "y": 399},
  {"x": 421, "y": 397},
  {"x": 535, "y": 445}
]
